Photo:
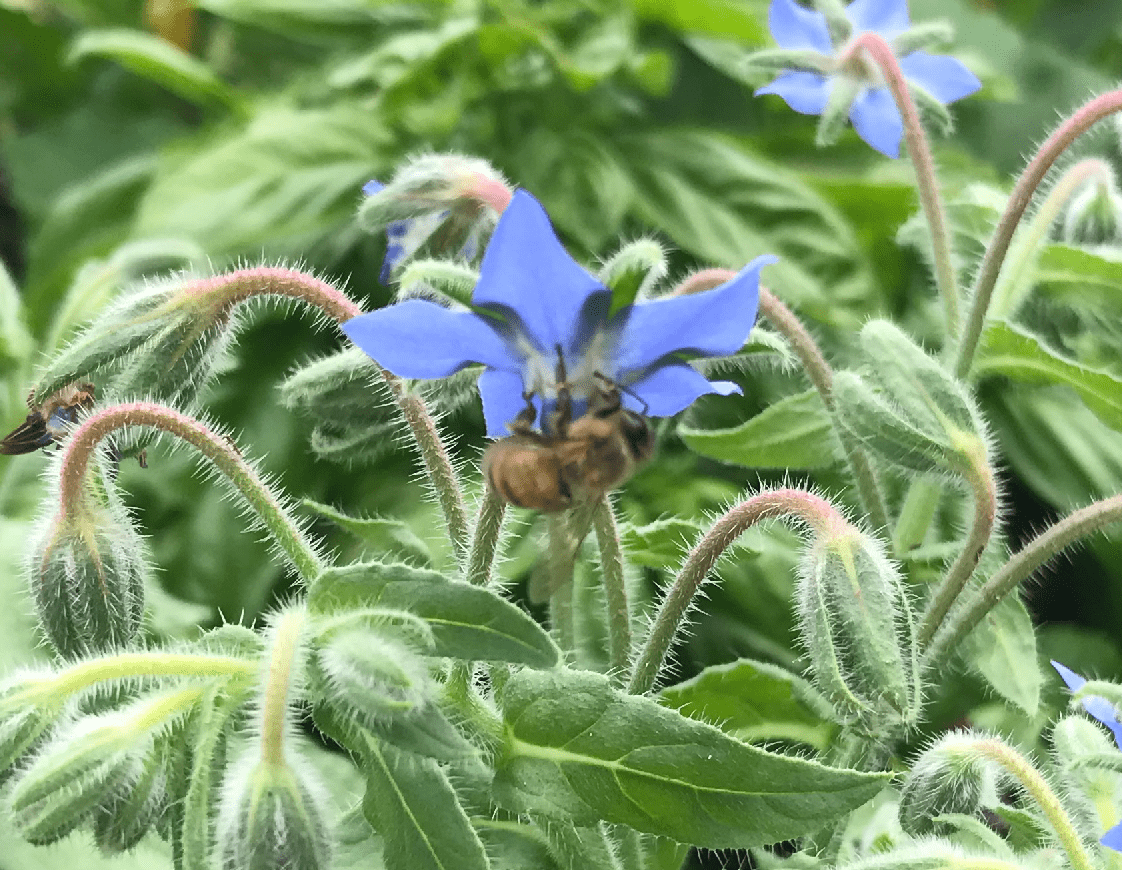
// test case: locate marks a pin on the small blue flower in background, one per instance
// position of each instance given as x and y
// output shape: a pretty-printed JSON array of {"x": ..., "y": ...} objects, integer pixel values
[
  {"x": 1099, "y": 708},
  {"x": 533, "y": 299},
  {"x": 873, "y": 112}
]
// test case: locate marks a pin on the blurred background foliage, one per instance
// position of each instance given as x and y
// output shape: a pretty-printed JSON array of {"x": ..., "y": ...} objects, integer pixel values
[{"x": 141, "y": 137}]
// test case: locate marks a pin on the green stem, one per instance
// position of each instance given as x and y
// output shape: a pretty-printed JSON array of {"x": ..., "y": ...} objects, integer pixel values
[
  {"x": 1012, "y": 283},
  {"x": 559, "y": 582},
  {"x": 1068, "y": 131},
  {"x": 164, "y": 706},
  {"x": 437, "y": 462},
  {"x": 277, "y": 686},
  {"x": 1041, "y": 549},
  {"x": 1046, "y": 799},
  {"x": 485, "y": 542},
  {"x": 815, "y": 511},
  {"x": 926, "y": 182},
  {"x": 979, "y": 475},
  {"x": 139, "y": 664},
  {"x": 615, "y": 588},
  {"x": 822, "y": 377},
  {"x": 273, "y": 513}
]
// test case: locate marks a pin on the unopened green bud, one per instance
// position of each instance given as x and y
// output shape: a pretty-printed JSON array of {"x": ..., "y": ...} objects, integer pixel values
[
  {"x": 372, "y": 676},
  {"x": 857, "y": 625},
  {"x": 947, "y": 778},
  {"x": 70, "y": 778},
  {"x": 1094, "y": 215},
  {"x": 633, "y": 271},
  {"x": 776, "y": 60},
  {"x": 907, "y": 408},
  {"x": 87, "y": 571},
  {"x": 127, "y": 813},
  {"x": 24, "y": 721},
  {"x": 272, "y": 817},
  {"x": 355, "y": 417},
  {"x": 838, "y": 23}
]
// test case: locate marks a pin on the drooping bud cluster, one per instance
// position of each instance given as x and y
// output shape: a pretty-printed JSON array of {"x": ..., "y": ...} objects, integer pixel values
[
  {"x": 949, "y": 777},
  {"x": 1094, "y": 214}
]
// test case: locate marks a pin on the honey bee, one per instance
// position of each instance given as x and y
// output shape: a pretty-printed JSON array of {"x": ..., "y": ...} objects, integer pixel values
[
  {"x": 580, "y": 459},
  {"x": 48, "y": 423}
]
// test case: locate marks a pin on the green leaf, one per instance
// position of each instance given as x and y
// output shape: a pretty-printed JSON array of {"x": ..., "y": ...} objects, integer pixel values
[
  {"x": 15, "y": 340},
  {"x": 795, "y": 432},
  {"x": 468, "y": 622},
  {"x": 380, "y": 534},
  {"x": 157, "y": 59},
  {"x": 410, "y": 802},
  {"x": 755, "y": 702},
  {"x": 661, "y": 544},
  {"x": 1080, "y": 275},
  {"x": 324, "y": 20},
  {"x": 578, "y": 750},
  {"x": 200, "y": 802},
  {"x": 1009, "y": 351},
  {"x": 1003, "y": 650},
  {"x": 430, "y": 733}
]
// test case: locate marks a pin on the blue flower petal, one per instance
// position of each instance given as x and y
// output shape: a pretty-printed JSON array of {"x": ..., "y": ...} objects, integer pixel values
[
  {"x": 805, "y": 92},
  {"x": 877, "y": 120},
  {"x": 526, "y": 271},
  {"x": 711, "y": 323},
  {"x": 1098, "y": 707},
  {"x": 944, "y": 77},
  {"x": 1112, "y": 839},
  {"x": 502, "y": 400},
  {"x": 372, "y": 187},
  {"x": 669, "y": 389},
  {"x": 889, "y": 18},
  {"x": 420, "y": 339},
  {"x": 795, "y": 26}
]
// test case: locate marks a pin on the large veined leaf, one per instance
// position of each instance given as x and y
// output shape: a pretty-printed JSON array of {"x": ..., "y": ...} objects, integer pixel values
[
  {"x": 1009, "y": 351},
  {"x": 576, "y": 749},
  {"x": 756, "y": 702},
  {"x": 289, "y": 175},
  {"x": 467, "y": 622},
  {"x": 726, "y": 205},
  {"x": 795, "y": 432}
]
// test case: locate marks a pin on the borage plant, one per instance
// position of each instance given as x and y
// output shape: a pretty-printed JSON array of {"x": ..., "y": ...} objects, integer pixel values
[{"x": 484, "y": 737}]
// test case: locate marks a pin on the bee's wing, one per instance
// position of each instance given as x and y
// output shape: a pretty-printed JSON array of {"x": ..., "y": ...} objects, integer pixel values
[{"x": 27, "y": 437}]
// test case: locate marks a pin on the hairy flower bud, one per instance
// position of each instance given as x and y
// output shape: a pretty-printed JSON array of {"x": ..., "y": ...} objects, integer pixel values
[
  {"x": 272, "y": 817},
  {"x": 87, "y": 571},
  {"x": 99, "y": 761},
  {"x": 373, "y": 677},
  {"x": 1094, "y": 215},
  {"x": 632, "y": 271},
  {"x": 944, "y": 779},
  {"x": 857, "y": 626},
  {"x": 1079, "y": 748},
  {"x": 445, "y": 203},
  {"x": 906, "y": 408}
]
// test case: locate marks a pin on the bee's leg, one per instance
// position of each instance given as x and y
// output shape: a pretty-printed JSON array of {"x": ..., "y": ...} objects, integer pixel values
[
  {"x": 524, "y": 423},
  {"x": 610, "y": 399},
  {"x": 142, "y": 459}
]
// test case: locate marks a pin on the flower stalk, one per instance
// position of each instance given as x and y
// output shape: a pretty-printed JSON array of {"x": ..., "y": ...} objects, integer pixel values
[
  {"x": 615, "y": 588},
  {"x": 1045, "y": 546},
  {"x": 1068, "y": 131},
  {"x": 277, "y": 689},
  {"x": 980, "y": 477},
  {"x": 926, "y": 181},
  {"x": 488, "y": 526},
  {"x": 282, "y": 527},
  {"x": 813, "y": 510}
]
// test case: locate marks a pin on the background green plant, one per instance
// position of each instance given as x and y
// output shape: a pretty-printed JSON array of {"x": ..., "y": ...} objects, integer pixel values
[{"x": 124, "y": 157}]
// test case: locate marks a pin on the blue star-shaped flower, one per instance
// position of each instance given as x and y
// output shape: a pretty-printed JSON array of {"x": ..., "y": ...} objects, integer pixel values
[
  {"x": 873, "y": 111},
  {"x": 1099, "y": 708},
  {"x": 534, "y": 300}
]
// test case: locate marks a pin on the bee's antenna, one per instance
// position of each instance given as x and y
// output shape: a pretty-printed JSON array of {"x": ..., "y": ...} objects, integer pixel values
[
  {"x": 562, "y": 374},
  {"x": 616, "y": 385}
]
